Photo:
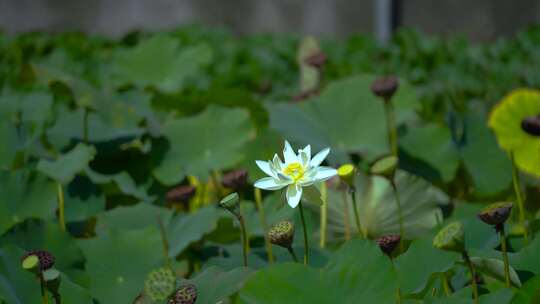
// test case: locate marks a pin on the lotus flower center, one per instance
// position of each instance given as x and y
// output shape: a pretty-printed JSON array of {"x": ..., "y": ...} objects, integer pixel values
[{"x": 295, "y": 171}]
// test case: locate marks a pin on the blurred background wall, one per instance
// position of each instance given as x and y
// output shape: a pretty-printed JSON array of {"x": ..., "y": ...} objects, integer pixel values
[{"x": 479, "y": 20}]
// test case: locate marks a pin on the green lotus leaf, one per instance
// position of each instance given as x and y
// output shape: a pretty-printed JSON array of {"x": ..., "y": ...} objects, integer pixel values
[
  {"x": 433, "y": 144},
  {"x": 215, "y": 285},
  {"x": 378, "y": 210},
  {"x": 346, "y": 116},
  {"x": 412, "y": 277},
  {"x": 134, "y": 217},
  {"x": 64, "y": 169},
  {"x": 161, "y": 63},
  {"x": 529, "y": 293},
  {"x": 118, "y": 262},
  {"x": 47, "y": 236},
  {"x": 505, "y": 120},
  {"x": 358, "y": 270},
  {"x": 489, "y": 168},
  {"x": 25, "y": 195},
  {"x": 183, "y": 230},
  {"x": 121, "y": 183},
  {"x": 16, "y": 284},
  {"x": 527, "y": 258},
  {"x": 212, "y": 140}
]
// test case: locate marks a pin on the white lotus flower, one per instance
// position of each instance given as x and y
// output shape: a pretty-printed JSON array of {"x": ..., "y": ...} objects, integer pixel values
[{"x": 296, "y": 172}]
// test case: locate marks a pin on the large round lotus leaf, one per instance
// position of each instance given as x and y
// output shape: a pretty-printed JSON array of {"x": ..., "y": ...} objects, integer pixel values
[
  {"x": 161, "y": 63},
  {"x": 16, "y": 284},
  {"x": 378, "y": 210},
  {"x": 505, "y": 120},
  {"x": 212, "y": 140},
  {"x": 118, "y": 262},
  {"x": 358, "y": 270},
  {"x": 47, "y": 236},
  {"x": 65, "y": 168},
  {"x": 346, "y": 116},
  {"x": 529, "y": 293},
  {"x": 527, "y": 259},
  {"x": 414, "y": 277},
  {"x": 215, "y": 285},
  {"x": 433, "y": 144},
  {"x": 25, "y": 195}
]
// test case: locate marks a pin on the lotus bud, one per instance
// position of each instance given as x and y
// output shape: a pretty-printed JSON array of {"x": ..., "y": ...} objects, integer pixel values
[
  {"x": 236, "y": 180},
  {"x": 181, "y": 194},
  {"x": 159, "y": 284},
  {"x": 317, "y": 60},
  {"x": 531, "y": 125},
  {"x": 346, "y": 174},
  {"x": 496, "y": 214},
  {"x": 385, "y": 87},
  {"x": 231, "y": 203},
  {"x": 388, "y": 243},
  {"x": 282, "y": 234},
  {"x": 385, "y": 166},
  {"x": 45, "y": 258},
  {"x": 186, "y": 294},
  {"x": 450, "y": 238}
]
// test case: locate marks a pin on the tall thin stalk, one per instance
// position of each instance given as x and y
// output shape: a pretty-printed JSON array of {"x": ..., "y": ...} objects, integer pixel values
[
  {"x": 262, "y": 218},
  {"x": 244, "y": 239},
  {"x": 504, "y": 250},
  {"x": 324, "y": 215},
  {"x": 61, "y": 207},
  {"x": 164, "y": 242},
  {"x": 306, "y": 245},
  {"x": 473, "y": 275},
  {"x": 391, "y": 125},
  {"x": 352, "y": 191},
  {"x": 519, "y": 197}
]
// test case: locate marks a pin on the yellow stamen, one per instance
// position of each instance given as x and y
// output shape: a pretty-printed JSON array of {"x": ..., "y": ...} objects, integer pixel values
[{"x": 295, "y": 171}]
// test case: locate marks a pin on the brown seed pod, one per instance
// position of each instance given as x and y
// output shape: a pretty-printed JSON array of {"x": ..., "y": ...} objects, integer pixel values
[
  {"x": 46, "y": 259},
  {"x": 236, "y": 179},
  {"x": 186, "y": 294},
  {"x": 385, "y": 86},
  {"x": 181, "y": 194},
  {"x": 317, "y": 60},
  {"x": 388, "y": 243},
  {"x": 496, "y": 214},
  {"x": 282, "y": 234},
  {"x": 531, "y": 125}
]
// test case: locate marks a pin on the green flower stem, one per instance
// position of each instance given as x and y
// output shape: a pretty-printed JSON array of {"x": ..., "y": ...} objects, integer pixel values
[
  {"x": 44, "y": 297},
  {"x": 519, "y": 197},
  {"x": 346, "y": 221},
  {"x": 398, "y": 292},
  {"x": 306, "y": 245},
  {"x": 355, "y": 209},
  {"x": 244, "y": 239},
  {"x": 391, "y": 125},
  {"x": 61, "y": 210},
  {"x": 164, "y": 241},
  {"x": 400, "y": 211},
  {"x": 505, "y": 255},
  {"x": 242, "y": 211},
  {"x": 473, "y": 275},
  {"x": 293, "y": 255},
  {"x": 85, "y": 124},
  {"x": 262, "y": 218},
  {"x": 445, "y": 284},
  {"x": 324, "y": 215}
]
